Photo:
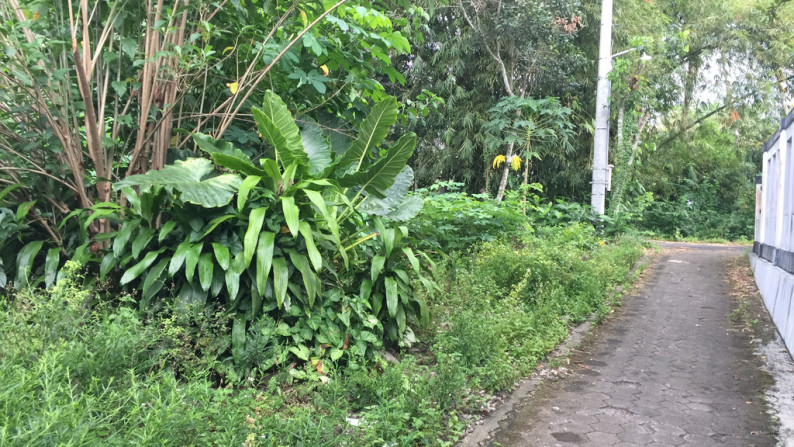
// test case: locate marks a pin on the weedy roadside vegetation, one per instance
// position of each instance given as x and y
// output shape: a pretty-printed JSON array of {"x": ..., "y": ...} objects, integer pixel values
[{"x": 77, "y": 369}]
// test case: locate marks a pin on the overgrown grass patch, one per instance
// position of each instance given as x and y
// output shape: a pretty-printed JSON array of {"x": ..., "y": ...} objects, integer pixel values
[{"x": 76, "y": 371}]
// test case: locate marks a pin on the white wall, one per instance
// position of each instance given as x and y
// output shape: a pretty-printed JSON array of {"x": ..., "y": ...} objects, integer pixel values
[{"x": 773, "y": 250}]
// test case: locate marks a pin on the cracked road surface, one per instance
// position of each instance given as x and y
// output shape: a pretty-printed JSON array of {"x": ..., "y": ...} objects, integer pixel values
[{"x": 670, "y": 368}]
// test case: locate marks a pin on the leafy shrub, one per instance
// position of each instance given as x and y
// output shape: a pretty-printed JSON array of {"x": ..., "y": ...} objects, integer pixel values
[
  {"x": 687, "y": 218},
  {"x": 301, "y": 271},
  {"x": 453, "y": 220}
]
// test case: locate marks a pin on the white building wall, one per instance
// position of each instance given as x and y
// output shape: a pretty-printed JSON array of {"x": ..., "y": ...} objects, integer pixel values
[{"x": 773, "y": 250}]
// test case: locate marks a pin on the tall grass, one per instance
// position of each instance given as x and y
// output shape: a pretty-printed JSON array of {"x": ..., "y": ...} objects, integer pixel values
[{"x": 77, "y": 371}]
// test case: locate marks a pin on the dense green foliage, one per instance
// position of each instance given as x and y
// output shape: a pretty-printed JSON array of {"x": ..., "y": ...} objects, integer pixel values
[
  {"x": 704, "y": 188},
  {"x": 296, "y": 269},
  {"x": 82, "y": 370},
  {"x": 395, "y": 231}
]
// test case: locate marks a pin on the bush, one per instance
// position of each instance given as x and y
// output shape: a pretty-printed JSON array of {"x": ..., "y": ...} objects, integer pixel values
[
  {"x": 452, "y": 220},
  {"x": 686, "y": 219}
]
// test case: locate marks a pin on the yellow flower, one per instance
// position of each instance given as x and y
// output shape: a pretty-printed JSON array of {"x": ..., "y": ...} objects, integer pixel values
[
  {"x": 601, "y": 243},
  {"x": 498, "y": 161},
  {"x": 232, "y": 87},
  {"x": 515, "y": 163},
  {"x": 324, "y": 69}
]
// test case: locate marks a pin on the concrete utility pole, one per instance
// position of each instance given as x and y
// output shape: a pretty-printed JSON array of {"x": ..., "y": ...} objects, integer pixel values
[{"x": 601, "y": 140}]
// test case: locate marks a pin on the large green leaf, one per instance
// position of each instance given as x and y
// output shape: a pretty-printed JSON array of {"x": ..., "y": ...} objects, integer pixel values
[
  {"x": 100, "y": 211},
  {"x": 291, "y": 214},
  {"x": 365, "y": 290},
  {"x": 192, "y": 259},
  {"x": 205, "y": 268},
  {"x": 51, "y": 266},
  {"x": 311, "y": 247},
  {"x": 108, "y": 262},
  {"x": 412, "y": 259},
  {"x": 317, "y": 148},
  {"x": 264, "y": 258},
  {"x": 210, "y": 145},
  {"x": 273, "y": 177},
  {"x": 232, "y": 283},
  {"x": 256, "y": 301},
  {"x": 396, "y": 205},
  {"x": 211, "y": 225},
  {"x": 377, "y": 179},
  {"x": 218, "y": 280},
  {"x": 372, "y": 131},
  {"x": 136, "y": 270},
  {"x": 191, "y": 297},
  {"x": 193, "y": 179},
  {"x": 376, "y": 267},
  {"x": 179, "y": 258},
  {"x": 317, "y": 199},
  {"x": 400, "y": 317},
  {"x": 236, "y": 164},
  {"x": 153, "y": 281},
  {"x": 245, "y": 189},
  {"x": 224, "y": 154},
  {"x": 123, "y": 236},
  {"x": 276, "y": 123},
  {"x": 392, "y": 297},
  {"x": 141, "y": 241},
  {"x": 255, "y": 221},
  {"x": 221, "y": 255},
  {"x": 280, "y": 279},
  {"x": 25, "y": 259},
  {"x": 407, "y": 210},
  {"x": 167, "y": 228},
  {"x": 310, "y": 280},
  {"x": 9, "y": 189},
  {"x": 23, "y": 209}
]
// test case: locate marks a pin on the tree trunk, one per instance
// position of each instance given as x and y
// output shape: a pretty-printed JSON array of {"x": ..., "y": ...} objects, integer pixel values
[
  {"x": 621, "y": 120},
  {"x": 526, "y": 182},
  {"x": 783, "y": 88},
  {"x": 505, "y": 172},
  {"x": 644, "y": 117},
  {"x": 487, "y": 178},
  {"x": 624, "y": 176},
  {"x": 692, "y": 72}
]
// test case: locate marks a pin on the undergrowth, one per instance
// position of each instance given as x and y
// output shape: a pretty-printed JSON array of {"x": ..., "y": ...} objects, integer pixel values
[{"x": 75, "y": 370}]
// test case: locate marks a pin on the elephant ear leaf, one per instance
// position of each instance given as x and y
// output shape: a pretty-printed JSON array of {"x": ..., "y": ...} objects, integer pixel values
[
  {"x": 381, "y": 176},
  {"x": 396, "y": 205},
  {"x": 210, "y": 145},
  {"x": 277, "y": 125},
  {"x": 317, "y": 148},
  {"x": 224, "y": 154},
  {"x": 193, "y": 179},
  {"x": 372, "y": 131}
]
